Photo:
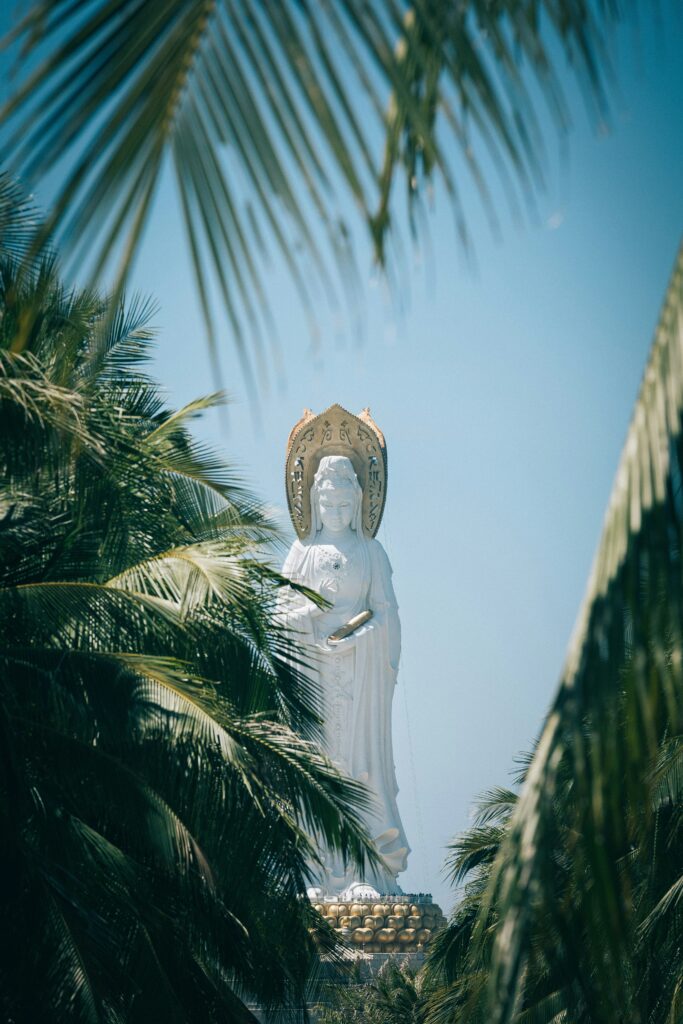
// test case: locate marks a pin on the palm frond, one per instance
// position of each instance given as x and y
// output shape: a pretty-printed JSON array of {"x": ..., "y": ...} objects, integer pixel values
[
  {"x": 475, "y": 847},
  {"x": 270, "y": 117},
  {"x": 27, "y": 393},
  {"x": 495, "y": 805},
  {"x": 619, "y": 698},
  {"x": 162, "y": 797},
  {"x": 190, "y": 576},
  {"x": 19, "y": 220}
]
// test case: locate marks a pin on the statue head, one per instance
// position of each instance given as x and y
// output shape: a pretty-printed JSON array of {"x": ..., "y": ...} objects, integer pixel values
[{"x": 336, "y": 496}]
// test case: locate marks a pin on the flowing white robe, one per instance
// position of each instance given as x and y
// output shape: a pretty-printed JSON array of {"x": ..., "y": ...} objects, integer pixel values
[{"x": 357, "y": 682}]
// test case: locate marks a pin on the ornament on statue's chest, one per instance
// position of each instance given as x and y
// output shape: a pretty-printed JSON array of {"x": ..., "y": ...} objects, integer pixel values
[{"x": 334, "y": 569}]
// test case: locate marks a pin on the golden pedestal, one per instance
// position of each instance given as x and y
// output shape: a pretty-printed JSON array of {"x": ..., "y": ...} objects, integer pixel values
[{"x": 395, "y": 924}]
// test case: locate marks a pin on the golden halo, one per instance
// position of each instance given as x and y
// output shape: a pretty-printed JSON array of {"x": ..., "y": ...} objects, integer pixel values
[{"x": 336, "y": 432}]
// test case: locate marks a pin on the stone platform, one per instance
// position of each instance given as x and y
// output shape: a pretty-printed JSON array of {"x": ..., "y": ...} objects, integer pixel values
[{"x": 390, "y": 925}]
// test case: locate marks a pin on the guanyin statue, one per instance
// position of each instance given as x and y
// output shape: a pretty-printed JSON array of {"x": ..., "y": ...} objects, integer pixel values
[{"x": 336, "y": 487}]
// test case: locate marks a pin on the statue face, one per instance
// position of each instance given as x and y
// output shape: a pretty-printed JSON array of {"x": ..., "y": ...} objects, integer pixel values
[{"x": 337, "y": 505}]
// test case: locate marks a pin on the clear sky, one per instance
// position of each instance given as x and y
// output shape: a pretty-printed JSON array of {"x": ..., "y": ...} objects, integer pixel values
[{"x": 504, "y": 394}]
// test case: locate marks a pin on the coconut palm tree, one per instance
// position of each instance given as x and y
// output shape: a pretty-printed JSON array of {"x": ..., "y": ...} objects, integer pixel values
[
  {"x": 397, "y": 994},
  {"x": 161, "y": 790},
  {"x": 571, "y": 909},
  {"x": 564, "y": 955},
  {"x": 614, "y": 730},
  {"x": 271, "y": 116},
  {"x": 457, "y": 967}
]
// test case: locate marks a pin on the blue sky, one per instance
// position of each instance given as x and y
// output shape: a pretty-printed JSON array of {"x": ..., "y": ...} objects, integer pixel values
[{"x": 504, "y": 393}]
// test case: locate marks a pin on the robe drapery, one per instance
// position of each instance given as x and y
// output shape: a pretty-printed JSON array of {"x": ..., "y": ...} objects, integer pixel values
[{"x": 357, "y": 682}]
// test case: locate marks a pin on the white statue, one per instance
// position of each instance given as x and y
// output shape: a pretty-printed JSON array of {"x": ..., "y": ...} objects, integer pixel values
[{"x": 356, "y": 669}]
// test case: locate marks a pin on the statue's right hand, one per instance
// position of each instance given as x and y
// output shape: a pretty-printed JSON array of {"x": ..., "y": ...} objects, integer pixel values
[{"x": 328, "y": 590}]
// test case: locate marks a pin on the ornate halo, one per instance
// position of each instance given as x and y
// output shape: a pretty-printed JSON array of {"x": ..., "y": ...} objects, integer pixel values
[{"x": 336, "y": 432}]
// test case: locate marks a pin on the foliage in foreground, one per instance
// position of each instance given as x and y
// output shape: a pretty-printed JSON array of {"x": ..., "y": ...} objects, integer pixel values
[
  {"x": 159, "y": 777},
  {"x": 572, "y": 908},
  {"x": 278, "y": 117},
  {"x": 563, "y": 980},
  {"x": 396, "y": 995},
  {"x": 614, "y": 733}
]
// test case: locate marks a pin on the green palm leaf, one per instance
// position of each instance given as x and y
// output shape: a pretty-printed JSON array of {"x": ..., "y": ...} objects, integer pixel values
[
  {"x": 619, "y": 700},
  {"x": 19, "y": 222},
  {"x": 270, "y": 115},
  {"x": 162, "y": 797}
]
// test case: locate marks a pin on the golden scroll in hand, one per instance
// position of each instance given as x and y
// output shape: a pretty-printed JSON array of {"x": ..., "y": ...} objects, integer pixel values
[{"x": 349, "y": 627}]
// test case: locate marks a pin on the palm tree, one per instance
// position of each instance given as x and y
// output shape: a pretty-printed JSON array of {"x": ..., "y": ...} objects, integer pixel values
[
  {"x": 572, "y": 905},
  {"x": 161, "y": 790},
  {"x": 456, "y": 966},
  {"x": 269, "y": 114},
  {"x": 564, "y": 956},
  {"x": 618, "y": 713},
  {"x": 397, "y": 994}
]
